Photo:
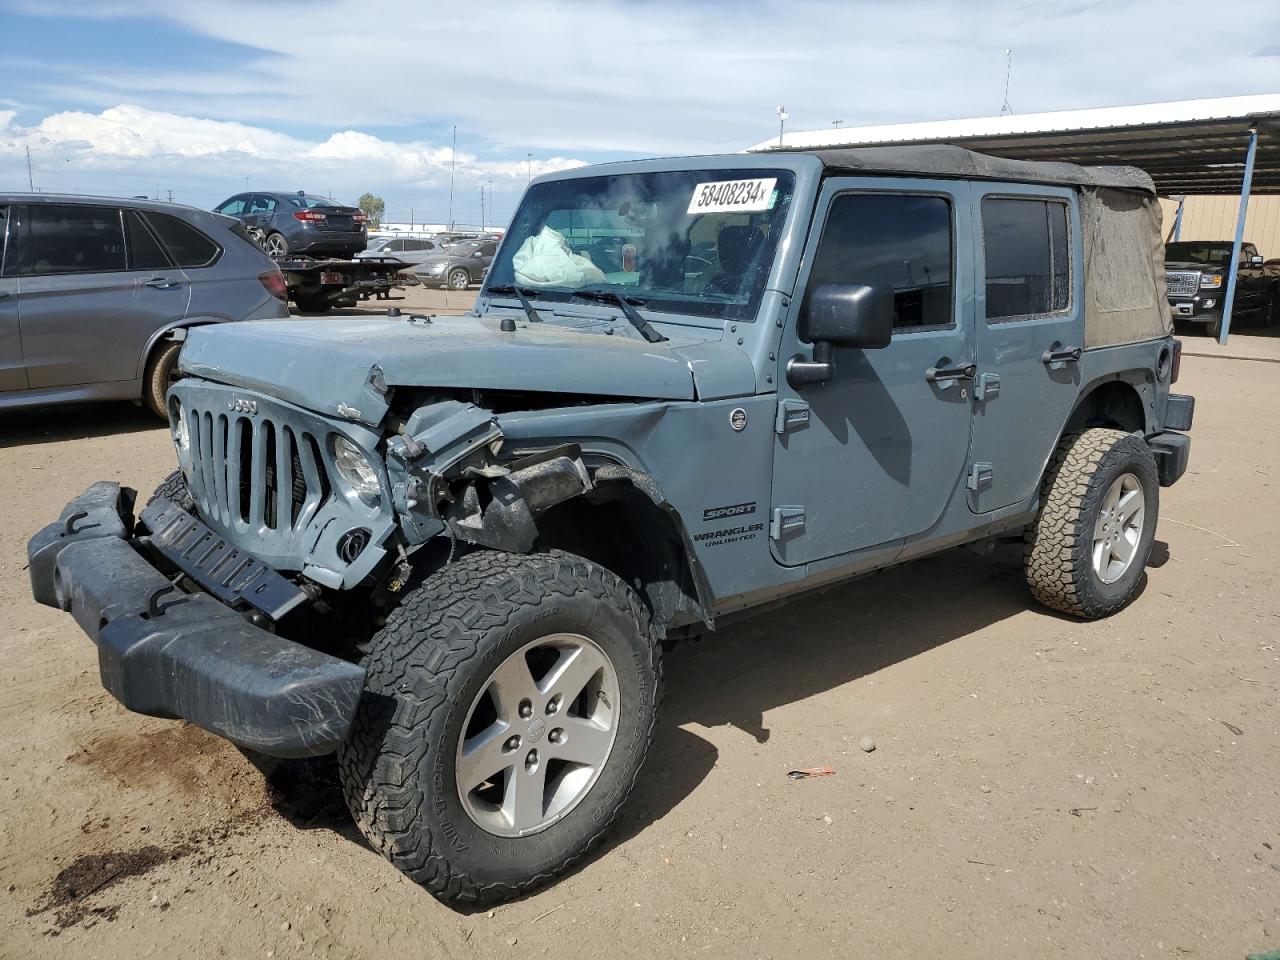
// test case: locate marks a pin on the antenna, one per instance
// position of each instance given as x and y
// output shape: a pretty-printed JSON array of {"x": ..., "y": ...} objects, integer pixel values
[
  {"x": 782, "y": 121},
  {"x": 1005, "y": 109},
  {"x": 30, "y": 183}
]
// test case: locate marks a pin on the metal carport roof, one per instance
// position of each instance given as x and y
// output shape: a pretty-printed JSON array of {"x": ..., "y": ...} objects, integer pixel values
[
  {"x": 1226, "y": 145},
  {"x": 1188, "y": 147}
]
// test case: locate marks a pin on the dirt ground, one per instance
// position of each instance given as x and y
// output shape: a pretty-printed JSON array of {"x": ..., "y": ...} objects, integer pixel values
[{"x": 1039, "y": 787}]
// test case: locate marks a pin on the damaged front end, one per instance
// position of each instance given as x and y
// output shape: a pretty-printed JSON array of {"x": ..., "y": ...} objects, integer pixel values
[{"x": 447, "y": 478}]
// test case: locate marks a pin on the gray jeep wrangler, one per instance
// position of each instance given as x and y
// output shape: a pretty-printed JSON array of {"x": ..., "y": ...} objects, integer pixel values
[{"x": 452, "y": 549}]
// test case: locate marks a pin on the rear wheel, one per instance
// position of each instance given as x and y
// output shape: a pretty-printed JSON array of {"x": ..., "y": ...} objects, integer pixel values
[
  {"x": 1086, "y": 553},
  {"x": 509, "y": 705},
  {"x": 459, "y": 279},
  {"x": 162, "y": 373},
  {"x": 1269, "y": 309},
  {"x": 276, "y": 245}
]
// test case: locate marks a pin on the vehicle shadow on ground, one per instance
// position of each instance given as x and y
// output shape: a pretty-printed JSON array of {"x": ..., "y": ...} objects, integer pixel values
[
  {"x": 737, "y": 675},
  {"x": 75, "y": 422}
]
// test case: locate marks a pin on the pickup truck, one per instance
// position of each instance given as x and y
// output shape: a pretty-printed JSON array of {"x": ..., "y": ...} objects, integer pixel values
[
  {"x": 453, "y": 549},
  {"x": 1196, "y": 278}
]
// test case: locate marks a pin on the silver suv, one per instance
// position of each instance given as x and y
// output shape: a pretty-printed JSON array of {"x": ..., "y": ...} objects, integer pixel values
[{"x": 96, "y": 294}]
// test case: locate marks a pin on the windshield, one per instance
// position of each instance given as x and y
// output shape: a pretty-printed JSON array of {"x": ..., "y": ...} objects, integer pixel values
[
  {"x": 691, "y": 241},
  {"x": 1198, "y": 252}
]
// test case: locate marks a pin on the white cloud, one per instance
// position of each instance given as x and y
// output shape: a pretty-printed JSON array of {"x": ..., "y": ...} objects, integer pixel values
[
  {"x": 150, "y": 145},
  {"x": 578, "y": 79}
]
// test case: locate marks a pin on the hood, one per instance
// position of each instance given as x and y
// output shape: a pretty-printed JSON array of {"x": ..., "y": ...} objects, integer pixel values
[
  {"x": 326, "y": 365},
  {"x": 1193, "y": 265}
]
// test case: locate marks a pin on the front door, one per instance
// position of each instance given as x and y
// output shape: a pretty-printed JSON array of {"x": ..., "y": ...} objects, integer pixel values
[
  {"x": 86, "y": 316},
  {"x": 13, "y": 376},
  {"x": 1030, "y": 335},
  {"x": 875, "y": 454}
]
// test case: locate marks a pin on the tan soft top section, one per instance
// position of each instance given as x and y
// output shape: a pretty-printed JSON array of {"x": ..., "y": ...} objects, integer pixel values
[{"x": 1123, "y": 267}]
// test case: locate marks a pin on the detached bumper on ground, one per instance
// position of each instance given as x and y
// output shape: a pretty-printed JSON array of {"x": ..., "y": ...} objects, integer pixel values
[{"x": 168, "y": 653}]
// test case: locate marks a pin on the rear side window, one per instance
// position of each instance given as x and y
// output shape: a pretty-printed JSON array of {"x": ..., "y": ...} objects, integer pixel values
[
  {"x": 1028, "y": 259},
  {"x": 900, "y": 241},
  {"x": 4, "y": 238},
  {"x": 145, "y": 252},
  {"x": 68, "y": 238},
  {"x": 187, "y": 245}
]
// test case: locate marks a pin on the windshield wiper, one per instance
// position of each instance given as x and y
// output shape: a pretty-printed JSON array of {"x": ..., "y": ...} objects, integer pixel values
[
  {"x": 625, "y": 304},
  {"x": 511, "y": 290}
]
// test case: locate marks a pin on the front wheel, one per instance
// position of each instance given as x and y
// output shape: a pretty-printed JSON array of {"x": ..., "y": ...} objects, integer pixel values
[
  {"x": 509, "y": 704},
  {"x": 276, "y": 245},
  {"x": 459, "y": 280},
  {"x": 1086, "y": 553}
]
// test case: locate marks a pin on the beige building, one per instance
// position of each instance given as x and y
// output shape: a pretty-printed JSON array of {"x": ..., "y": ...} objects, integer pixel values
[{"x": 1214, "y": 218}]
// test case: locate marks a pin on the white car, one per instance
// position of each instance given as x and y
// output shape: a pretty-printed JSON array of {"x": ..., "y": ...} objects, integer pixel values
[{"x": 409, "y": 249}]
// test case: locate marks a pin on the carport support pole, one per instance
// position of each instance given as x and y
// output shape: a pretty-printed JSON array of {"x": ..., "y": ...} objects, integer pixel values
[
  {"x": 1177, "y": 220},
  {"x": 1230, "y": 295}
]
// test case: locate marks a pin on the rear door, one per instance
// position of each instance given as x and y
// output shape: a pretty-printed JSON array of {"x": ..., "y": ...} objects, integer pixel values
[
  {"x": 875, "y": 454},
  {"x": 214, "y": 291},
  {"x": 1030, "y": 335},
  {"x": 13, "y": 376}
]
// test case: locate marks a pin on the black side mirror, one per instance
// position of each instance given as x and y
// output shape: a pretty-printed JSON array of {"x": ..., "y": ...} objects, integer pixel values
[{"x": 841, "y": 315}]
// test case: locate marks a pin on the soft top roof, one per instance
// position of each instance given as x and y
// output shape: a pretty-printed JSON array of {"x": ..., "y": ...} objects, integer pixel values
[{"x": 945, "y": 160}]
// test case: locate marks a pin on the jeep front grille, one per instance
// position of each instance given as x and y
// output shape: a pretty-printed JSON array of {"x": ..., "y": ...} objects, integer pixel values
[
  {"x": 254, "y": 473},
  {"x": 1182, "y": 283}
]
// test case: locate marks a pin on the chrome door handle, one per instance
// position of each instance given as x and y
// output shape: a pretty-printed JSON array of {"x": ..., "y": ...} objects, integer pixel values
[
  {"x": 963, "y": 372},
  {"x": 160, "y": 283}
]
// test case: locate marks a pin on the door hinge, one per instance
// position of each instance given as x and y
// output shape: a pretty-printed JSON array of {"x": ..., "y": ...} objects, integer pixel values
[
  {"x": 987, "y": 387},
  {"x": 980, "y": 475},
  {"x": 792, "y": 415},
  {"x": 785, "y": 522}
]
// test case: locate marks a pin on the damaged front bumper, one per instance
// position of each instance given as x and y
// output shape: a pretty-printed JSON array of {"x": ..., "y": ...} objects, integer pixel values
[{"x": 168, "y": 653}]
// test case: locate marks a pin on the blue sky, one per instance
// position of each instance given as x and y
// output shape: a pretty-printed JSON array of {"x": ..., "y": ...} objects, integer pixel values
[{"x": 195, "y": 96}]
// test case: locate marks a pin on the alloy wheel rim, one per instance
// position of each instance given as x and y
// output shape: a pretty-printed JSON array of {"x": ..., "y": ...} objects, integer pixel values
[
  {"x": 458, "y": 280},
  {"x": 537, "y": 735},
  {"x": 275, "y": 245},
  {"x": 1118, "y": 528}
]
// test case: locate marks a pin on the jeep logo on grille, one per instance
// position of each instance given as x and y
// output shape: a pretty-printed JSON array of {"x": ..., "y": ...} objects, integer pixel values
[{"x": 241, "y": 405}]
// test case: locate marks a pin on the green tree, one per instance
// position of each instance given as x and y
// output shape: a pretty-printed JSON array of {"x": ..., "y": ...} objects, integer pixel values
[{"x": 373, "y": 206}]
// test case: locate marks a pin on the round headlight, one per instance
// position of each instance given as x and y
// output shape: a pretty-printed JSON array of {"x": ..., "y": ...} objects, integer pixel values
[
  {"x": 181, "y": 435},
  {"x": 354, "y": 468}
]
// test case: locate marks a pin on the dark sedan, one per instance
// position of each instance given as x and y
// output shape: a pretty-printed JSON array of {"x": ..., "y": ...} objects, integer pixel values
[
  {"x": 461, "y": 265},
  {"x": 299, "y": 223}
]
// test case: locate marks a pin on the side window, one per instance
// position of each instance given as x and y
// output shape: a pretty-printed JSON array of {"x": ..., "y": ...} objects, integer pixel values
[
  {"x": 145, "y": 252},
  {"x": 187, "y": 245},
  {"x": 395, "y": 246},
  {"x": 262, "y": 204},
  {"x": 896, "y": 240},
  {"x": 65, "y": 238},
  {"x": 489, "y": 249},
  {"x": 1028, "y": 257},
  {"x": 233, "y": 207},
  {"x": 4, "y": 239}
]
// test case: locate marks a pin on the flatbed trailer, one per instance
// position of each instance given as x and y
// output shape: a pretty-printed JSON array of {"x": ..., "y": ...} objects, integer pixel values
[{"x": 316, "y": 285}]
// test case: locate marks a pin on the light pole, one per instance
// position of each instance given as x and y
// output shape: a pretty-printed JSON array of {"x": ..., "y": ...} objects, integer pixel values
[
  {"x": 481, "y": 188},
  {"x": 453, "y": 159},
  {"x": 491, "y": 214},
  {"x": 782, "y": 121}
]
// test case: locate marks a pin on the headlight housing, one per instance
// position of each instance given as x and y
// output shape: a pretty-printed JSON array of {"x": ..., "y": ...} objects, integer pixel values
[
  {"x": 355, "y": 469},
  {"x": 1211, "y": 281}
]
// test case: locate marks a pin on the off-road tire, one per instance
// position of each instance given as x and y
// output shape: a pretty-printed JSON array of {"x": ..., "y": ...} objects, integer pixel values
[
  {"x": 159, "y": 373},
  {"x": 452, "y": 281},
  {"x": 174, "y": 488},
  {"x": 427, "y": 665},
  {"x": 1057, "y": 559}
]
